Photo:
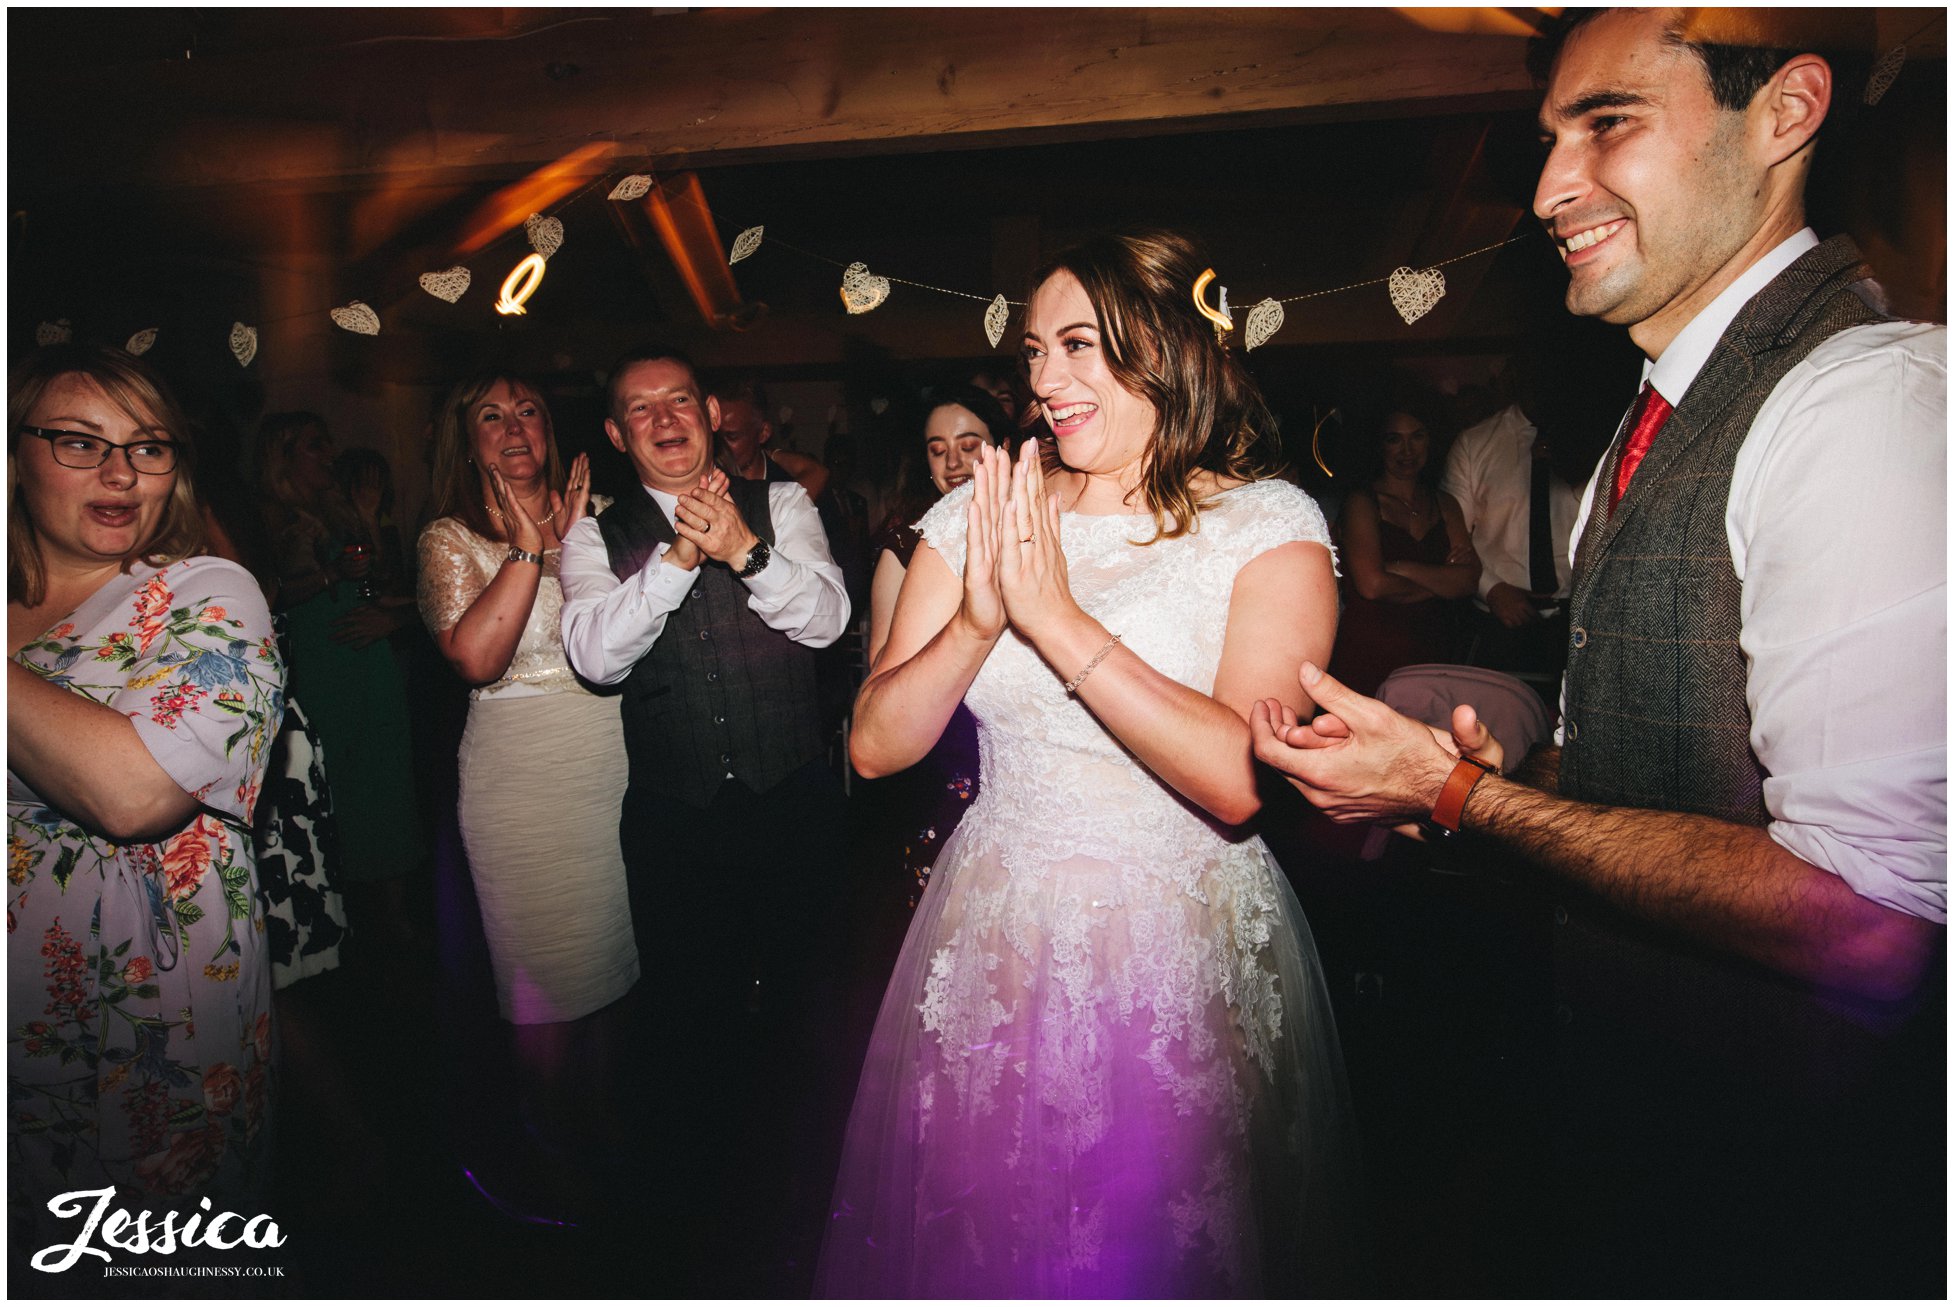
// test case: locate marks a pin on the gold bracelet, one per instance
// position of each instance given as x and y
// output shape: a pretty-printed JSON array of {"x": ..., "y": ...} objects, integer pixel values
[{"x": 1072, "y": 686}]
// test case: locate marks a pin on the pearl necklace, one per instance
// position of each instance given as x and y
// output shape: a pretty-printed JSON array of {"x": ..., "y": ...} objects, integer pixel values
[{"x": 545, "y": 520}]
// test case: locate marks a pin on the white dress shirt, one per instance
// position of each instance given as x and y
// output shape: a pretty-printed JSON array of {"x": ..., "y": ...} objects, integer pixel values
[
  {"x": 1837, "y": 523},
  {"x": 1490, "y": 473},
  {"x": 608, "y": 624}
]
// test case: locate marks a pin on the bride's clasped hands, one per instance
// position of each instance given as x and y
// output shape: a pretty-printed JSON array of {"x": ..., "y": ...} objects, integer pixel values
[{"x": 1015, "y": 574}]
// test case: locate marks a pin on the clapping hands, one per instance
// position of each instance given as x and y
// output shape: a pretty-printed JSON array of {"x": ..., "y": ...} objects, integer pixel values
[
  {"x": 709, "y": 525},
  {"x": 1014, "y": 570}
]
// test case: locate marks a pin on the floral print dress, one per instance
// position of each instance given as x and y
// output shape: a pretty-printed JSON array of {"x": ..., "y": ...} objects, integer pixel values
[{"x": 139, "y": 992}]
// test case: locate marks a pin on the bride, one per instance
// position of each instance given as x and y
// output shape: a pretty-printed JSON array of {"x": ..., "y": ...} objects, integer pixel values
[{"x": 1105, "y": 1065}]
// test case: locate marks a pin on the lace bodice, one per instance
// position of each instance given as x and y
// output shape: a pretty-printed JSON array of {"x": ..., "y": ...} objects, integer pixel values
[
  {"x": 1169, "y": 603},
  {"x": 1106, "y": 1067},
  {"x": 457, "y": 565}
]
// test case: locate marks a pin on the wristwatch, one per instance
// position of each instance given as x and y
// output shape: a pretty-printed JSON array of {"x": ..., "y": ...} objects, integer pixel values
[
  {"x": 516, "y": 555},
  {"x": 757, "y": 559},
  {"x": 1467, "y": 772}
]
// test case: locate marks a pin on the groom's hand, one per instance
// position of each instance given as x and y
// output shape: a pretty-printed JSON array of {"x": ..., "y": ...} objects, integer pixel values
[{"x": 1359, "y": 760}]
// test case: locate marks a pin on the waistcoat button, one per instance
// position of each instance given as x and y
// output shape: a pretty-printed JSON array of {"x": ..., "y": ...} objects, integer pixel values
[
  {"x": 698, "y": 594},
  {"x": 712, "y": 676},
  {"x": 705, "y": 635},
  {"x": 1564, "y": 1014},
  {"x": 1579, "y": 637},
  {"x": 1560, "y": 915},
  {"x": 1573, "y": 732}
]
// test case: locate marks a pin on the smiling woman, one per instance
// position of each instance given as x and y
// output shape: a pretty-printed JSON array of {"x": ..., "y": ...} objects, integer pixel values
[
  {"x": 145, "y": 690},
  {"x": 542, "y": 764},
  {"x": 1105, "y": 1066}
]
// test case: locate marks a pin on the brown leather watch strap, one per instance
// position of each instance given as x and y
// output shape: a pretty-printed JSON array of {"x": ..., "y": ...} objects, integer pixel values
[{"x": 1466, "y": 773}]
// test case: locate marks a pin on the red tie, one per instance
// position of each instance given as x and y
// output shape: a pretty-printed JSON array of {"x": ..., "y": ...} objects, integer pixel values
[{"x": 1652, "y": 410}]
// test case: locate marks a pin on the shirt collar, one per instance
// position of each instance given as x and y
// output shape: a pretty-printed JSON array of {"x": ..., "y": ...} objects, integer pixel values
[
  {"x": 667, "y": 502},
  {"x": 1690, "y": 350}
]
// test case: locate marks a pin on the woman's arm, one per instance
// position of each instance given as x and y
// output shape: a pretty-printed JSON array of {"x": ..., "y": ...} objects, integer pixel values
[
  {"x": 1363, "y": 555},
  {"x": 942, "y": 631},
  {"x": 479, "y": 636},
  {"x": 882, "y": 593},
  {"x": 86, "y": 761},
  {"x": 1446, "y": 580},
  {"x": 1284, "y": 603}
]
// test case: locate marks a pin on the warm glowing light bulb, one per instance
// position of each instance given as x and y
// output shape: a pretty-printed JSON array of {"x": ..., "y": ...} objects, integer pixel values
[
  {"x": 520, "y": 284},
  {"x": 1222, "y": 318}
]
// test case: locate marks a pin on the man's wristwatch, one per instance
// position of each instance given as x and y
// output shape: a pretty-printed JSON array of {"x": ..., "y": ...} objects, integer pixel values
[
  {"x": 1467, "y": 772},
  {"x": 757, "y": 559},
  {"x": 516, "y": 555}
]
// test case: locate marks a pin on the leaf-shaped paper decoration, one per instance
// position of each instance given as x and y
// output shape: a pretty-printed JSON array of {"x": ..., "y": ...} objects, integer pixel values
[
  {"x": 1416, "y": 292},
  {"x": 745, "y": 243},
  {"x": 861, "y": 292},
  {"x": 634, "y": 187},
  {"x": 1264, "y": 321},
  {"x": 244, "y": 343},
  {"x": 879, "y": 405},
  {"x": 357, "y": 317},
  {"x": 141, "y": 341},
  {"x": 994, "y": 319},
  {"x": 53, "y": 333},
  {"x": 450, "y": 284},
  {"x": 545, "y": 234},
  {"x": 1884, "y": 74}
]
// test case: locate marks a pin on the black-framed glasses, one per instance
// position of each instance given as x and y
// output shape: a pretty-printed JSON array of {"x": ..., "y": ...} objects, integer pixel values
[{"x": 80, "y": 450}]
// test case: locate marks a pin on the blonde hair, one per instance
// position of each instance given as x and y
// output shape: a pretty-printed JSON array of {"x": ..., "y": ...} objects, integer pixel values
[
  {"x": 141, "y": 394},
  {"x": 1209, "y": 414},
  {"x": 458, "y": 489}
]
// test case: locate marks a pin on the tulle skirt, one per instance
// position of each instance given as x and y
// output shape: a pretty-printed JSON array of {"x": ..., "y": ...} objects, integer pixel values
[{"x": 1091, "y": 1078}]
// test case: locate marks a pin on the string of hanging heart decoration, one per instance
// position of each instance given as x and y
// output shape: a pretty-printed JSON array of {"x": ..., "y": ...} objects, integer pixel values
[{"x": 1413, "y": 292}]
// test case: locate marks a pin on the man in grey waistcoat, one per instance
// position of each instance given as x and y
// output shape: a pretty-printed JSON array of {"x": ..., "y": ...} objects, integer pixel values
[
  {"x": 705, "y": 598},
  {"x": 1742, "y": 820}
]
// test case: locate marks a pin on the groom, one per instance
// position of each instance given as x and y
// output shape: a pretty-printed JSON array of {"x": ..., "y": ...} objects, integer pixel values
[{"x": 1744, "y": 822}]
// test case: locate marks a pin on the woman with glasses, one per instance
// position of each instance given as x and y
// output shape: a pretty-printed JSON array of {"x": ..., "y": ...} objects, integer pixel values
[{"x": 144, "y": 692}]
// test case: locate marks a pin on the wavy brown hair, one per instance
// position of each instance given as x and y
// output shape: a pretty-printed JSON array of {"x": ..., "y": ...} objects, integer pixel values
[
  {"x": 1210, "y": 416},
  {"x": 458, "y": 489},
  {"x": 137, "y": 389}
]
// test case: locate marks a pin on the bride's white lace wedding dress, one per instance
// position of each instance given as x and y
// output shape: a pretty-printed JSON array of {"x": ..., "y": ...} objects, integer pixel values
[{"x": 1105, "y": 1065}]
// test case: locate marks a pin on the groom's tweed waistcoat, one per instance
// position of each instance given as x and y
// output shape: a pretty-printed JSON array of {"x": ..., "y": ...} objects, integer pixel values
[
  {"x": 1656, "y": 717},
  {"x": 720, "y": 692}
]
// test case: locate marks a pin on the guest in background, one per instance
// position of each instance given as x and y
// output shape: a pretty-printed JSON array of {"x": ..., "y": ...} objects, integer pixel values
[
  {"x": 144, "y": 693},
  {"x": 367, "y": 482},
  {"x": 351, "y": 686},
  {"x": 1407, "y": 558},
  {"x": 1520, "y": 512},
  {"x": 542, "y": 759},
  {"x": 936, "y": 790},
  {"x": 746, "y": 430}
]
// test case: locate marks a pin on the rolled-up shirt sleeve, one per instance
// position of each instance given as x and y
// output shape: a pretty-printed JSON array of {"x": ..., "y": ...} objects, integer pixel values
[
  {"x": 800, "y": 592},
  {"x": 1838, "y": 529},
  {"x": 608, "y": 624}
]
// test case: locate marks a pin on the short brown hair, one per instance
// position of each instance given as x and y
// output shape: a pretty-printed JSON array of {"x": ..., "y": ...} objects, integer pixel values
[{"x": 136, "y": 388}]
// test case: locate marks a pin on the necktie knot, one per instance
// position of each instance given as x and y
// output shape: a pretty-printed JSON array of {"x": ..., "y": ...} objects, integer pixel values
[{"x": 1651, "y": 411}]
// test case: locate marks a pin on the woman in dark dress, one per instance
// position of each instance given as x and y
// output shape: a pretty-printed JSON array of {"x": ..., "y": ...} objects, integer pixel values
[
  {"x": 934, "y": 793},
  {"x": 1407, "y": 559}
]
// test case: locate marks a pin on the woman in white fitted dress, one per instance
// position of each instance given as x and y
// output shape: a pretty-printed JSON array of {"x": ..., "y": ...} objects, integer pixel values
[
  {"x": 542, "y": 759},
  {"x": 1105, "y": 1065}
]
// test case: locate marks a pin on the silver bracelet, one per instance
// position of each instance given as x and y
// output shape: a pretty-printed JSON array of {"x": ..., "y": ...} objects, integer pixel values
[
  {"x": 1072, "y": 686},
  {"x": 516, "y": 555}
]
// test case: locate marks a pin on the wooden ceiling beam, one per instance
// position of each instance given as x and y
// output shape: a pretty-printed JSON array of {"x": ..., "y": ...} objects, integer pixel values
[{"x": 723, "y": 86}]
